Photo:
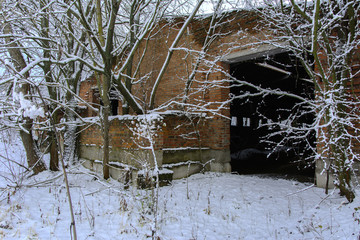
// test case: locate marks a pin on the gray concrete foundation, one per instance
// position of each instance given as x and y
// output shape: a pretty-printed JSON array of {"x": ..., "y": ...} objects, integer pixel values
[
  {"x": 183, "y": 162},
  {"x": 321, "y": 176}
]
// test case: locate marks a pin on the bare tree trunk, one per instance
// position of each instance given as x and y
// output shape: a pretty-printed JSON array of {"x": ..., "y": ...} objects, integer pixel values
[
  {"x": 105, "y": 83},
  {"x": 106, "y": 141},
  {"x": 133, "y": 25},
  {"x": 104, "y": 116},
  {"x": 334, "y": 74},
  {"x": 54, "y": 157},
  {"x": 33, "y": 159},
  {"x": 73, "y": 74},
  {"x": 70, "y": 143}
]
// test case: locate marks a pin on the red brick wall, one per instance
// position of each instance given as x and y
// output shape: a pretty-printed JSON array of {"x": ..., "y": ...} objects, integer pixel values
[
  {"x": 91, "y": 135},
  {"x": 355, "y": 88},
  {"x": 173, "y": 83},
  {"x": 174, "y": 132},
  {"x": 86, "y": 92},
  {"x": 215, "y": 132},
  {"x": 237, "y": 35},
  {"x": 180, "y": 131}
]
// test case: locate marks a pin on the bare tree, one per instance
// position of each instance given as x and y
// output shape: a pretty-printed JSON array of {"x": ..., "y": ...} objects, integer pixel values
[
  {"x": 325, "y": 37},
  {"x": 21, "y": 73},
  {"x": 114, "y": 36},
  {"x": 44, "y": 35}
]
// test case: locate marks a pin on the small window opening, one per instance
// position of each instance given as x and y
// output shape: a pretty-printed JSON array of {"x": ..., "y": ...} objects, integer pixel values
[{"x": 115, "y": 97}]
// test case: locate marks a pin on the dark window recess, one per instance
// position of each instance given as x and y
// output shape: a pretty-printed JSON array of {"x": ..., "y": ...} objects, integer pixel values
[
  {"x": 114, "y": 101},
  {"x": 115, "y": 97},
  {"x": 114, "y": 107}
]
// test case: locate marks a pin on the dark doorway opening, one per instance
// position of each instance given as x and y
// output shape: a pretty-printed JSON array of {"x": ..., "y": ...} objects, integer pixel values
[{"x": 258, "y": 117}]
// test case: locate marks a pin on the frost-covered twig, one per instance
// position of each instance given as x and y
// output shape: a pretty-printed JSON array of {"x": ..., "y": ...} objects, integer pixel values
[{"x": 302, "y": 190}]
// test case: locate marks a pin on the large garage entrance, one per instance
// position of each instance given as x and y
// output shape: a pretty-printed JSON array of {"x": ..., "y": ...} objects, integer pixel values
[{"x": 258, "y": 117}]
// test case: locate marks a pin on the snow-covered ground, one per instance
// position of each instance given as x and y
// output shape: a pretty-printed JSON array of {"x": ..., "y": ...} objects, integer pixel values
[{"x": 204, "y": 206}]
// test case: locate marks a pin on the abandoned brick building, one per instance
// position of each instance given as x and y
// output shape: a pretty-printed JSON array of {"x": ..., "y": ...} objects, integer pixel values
[{"x": 203, "y": 133}]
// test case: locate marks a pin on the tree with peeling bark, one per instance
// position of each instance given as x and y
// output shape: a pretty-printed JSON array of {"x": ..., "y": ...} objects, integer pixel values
[
  {"x": 325, "y": 37},
  {"x": 71, "y": 72}
]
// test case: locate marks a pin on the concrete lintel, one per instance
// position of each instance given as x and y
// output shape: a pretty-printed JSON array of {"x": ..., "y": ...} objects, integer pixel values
[{"x": 252, "y": 53}]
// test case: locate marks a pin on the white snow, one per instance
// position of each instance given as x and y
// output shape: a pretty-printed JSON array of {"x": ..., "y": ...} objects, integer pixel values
[
  {"x": 187, "y": 163},
  {"x": 204, "y": 206},
  {"x": 184, "y": 148},
  {"x": 27, "y": 108}
]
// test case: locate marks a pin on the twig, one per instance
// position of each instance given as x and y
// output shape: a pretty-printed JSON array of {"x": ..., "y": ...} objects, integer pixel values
[
  {"x": 302, "y": 190},
  {"x": 73, "y": 233},
  {"x": 8, "y": 159},
  {"x": 45, "y": 181},
  {"x": 327, "y": 196}
]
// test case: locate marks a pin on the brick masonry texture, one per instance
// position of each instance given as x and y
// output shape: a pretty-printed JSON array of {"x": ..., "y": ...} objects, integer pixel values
[
  {"x": 173, "y": 132},
  {"x": 213, "y": 133},
  {"x": 239, "y": 31}
]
